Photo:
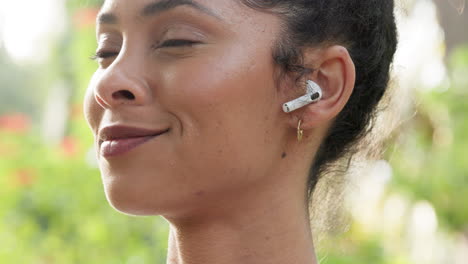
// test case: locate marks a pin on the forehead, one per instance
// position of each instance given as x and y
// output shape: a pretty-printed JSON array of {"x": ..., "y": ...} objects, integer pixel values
[
  {"x": 136, "y": 8},
  {"x": 233, "y": 20},
  {"x": 233, "y": 15}
]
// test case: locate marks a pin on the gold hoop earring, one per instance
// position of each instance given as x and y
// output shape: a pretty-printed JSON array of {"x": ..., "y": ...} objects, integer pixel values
[{"x": 300, "y": 132}]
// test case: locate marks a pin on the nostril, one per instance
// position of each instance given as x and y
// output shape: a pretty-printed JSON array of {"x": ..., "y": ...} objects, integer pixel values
[{"x": 123, "y": 94}]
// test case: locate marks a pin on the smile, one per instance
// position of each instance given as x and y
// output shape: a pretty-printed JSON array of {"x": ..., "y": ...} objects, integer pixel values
[{"x": 119, "y": 140}]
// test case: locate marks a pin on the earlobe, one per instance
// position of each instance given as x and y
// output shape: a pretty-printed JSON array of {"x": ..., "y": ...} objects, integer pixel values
[{"x": 335, "y": 74}]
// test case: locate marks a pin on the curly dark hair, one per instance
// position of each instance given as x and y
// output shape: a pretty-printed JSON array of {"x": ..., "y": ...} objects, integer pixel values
[{"x": 367, "y": 29}]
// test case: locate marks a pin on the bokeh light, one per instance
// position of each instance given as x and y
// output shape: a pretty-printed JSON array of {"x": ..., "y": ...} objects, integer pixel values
[{"x": 29, "y": 27}]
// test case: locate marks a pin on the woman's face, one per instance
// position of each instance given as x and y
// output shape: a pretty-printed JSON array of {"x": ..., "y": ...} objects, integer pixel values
[{"x": 184, "y": 105}]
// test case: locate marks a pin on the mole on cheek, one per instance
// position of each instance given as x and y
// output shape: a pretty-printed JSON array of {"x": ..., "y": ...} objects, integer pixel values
[
  {"x": 283, "y": 155},
  {"x": 200, "y": 193}
]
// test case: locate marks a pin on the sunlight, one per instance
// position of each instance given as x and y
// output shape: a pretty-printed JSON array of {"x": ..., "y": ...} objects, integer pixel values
[
  {"x": 421, "y": 48},
  {"x": 28, "y": 26}
]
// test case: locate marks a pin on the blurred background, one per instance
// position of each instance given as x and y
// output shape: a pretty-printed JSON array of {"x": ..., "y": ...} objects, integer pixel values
[{"x": 410, "y": 206}]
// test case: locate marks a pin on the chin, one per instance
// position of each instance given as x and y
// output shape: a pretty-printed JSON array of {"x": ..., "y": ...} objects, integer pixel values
[
  {"x": 133, "y": 208},
  {"x": 131, "y": 202}
]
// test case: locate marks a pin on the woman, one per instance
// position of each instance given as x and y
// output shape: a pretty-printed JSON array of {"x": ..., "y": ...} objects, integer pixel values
[{"x": 186, "y": 109}]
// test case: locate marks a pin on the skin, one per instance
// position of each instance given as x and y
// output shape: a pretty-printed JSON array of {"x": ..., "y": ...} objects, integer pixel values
[{"x": 230, "y": 175}]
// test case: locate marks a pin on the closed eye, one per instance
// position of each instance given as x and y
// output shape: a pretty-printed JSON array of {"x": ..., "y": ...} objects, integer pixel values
[
  {"x": 177, "y": 43},
  {"x": 172, "y": 43},
  {"x": 104, "y": 55}
]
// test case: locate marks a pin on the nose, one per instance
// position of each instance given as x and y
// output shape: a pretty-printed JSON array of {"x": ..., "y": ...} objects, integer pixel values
[{"x": 119, "y": 85}]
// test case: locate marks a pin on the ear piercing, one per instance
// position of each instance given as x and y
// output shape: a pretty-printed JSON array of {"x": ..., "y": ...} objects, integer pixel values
[
  {"x": 300, "y": 132},
  {"x": 314, "y": 94}
]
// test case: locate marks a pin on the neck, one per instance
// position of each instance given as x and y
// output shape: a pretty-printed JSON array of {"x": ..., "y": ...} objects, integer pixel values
[{"x": 257, "y": 227}]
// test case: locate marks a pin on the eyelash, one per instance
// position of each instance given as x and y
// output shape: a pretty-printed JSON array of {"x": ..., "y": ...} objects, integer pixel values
[
  {"x": 171, "y": 43},
  {"x": 103, "y": 55},
  {"x": 177, "y": 43}
]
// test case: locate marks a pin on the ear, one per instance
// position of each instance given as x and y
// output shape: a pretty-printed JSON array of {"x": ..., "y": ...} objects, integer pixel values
[{"x": 335, "y": 73}]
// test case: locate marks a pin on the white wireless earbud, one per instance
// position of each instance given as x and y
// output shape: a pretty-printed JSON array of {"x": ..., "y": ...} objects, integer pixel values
[{"x": 314, "y": 94}]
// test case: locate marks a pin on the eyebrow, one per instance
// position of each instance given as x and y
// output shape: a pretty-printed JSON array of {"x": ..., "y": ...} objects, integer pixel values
[{"x": 156, "y": 8}]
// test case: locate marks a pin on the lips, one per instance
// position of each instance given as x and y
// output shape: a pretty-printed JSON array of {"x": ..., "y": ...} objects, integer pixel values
[{"x": 118, "y": 140}]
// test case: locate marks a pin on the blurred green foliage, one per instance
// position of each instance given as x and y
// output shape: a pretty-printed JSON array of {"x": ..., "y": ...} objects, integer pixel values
[
  {"x": 430, "y": 157},
  {"x": 53, "y": 209},
  {"x": 12, "y": 77}
]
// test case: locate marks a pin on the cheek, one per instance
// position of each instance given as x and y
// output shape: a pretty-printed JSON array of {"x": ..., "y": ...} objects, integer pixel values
[
  {"x": 233, "y": 84},
  {"x": 225, "y": 105}
]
